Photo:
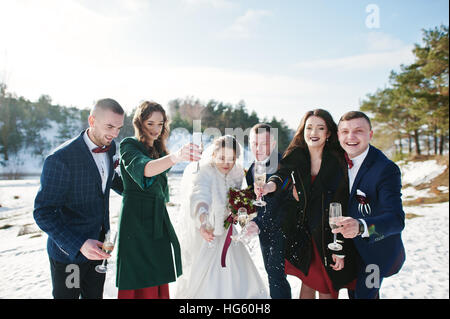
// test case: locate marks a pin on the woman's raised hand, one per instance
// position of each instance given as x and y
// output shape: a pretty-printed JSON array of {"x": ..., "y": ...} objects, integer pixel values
[
  {"x": 189, "y": 152},
  {"x": 264, "y": 190}
]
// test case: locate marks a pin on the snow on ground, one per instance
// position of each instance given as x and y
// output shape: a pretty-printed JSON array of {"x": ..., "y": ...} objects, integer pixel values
[
  {"x": 25, "y": 270},
  {"x": 416, "y": 173}
]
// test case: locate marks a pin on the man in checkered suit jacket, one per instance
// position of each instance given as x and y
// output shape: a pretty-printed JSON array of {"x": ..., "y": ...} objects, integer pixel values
[{"x": 72, "y": 204}]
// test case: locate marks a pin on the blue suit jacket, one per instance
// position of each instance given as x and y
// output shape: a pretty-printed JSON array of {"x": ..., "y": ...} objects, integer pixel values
[
  {"x": 70, "y": 205},
  {"x": 380, "y": 179}
]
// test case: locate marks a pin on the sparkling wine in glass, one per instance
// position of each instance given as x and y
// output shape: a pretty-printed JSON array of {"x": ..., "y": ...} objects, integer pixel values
[
  {"x": 243, "y": 219},
  {"x": 197, "y": 139},
  {"x": 260, "y": 181},
  {"x": 335, "y": 215},
  {"x": 242, "y": 216},
  {"x": 209, "y": 227},
  {"x": 108, "y": 246}
]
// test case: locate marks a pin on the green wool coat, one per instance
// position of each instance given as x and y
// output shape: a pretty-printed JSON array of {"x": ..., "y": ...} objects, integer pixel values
[{"x": 146, "y": 235}]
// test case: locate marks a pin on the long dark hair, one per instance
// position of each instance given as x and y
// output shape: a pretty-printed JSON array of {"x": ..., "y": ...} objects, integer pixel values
[
  {"x": 299, "y": 137},
  {"x": 143, "y": 112}
]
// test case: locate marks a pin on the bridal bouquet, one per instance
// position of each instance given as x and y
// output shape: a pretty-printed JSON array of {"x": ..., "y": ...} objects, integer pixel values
[{"x": 240, "y": 198}]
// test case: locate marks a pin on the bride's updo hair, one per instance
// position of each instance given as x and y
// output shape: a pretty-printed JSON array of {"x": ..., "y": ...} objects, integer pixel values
[{"x": 229, "y": 142}]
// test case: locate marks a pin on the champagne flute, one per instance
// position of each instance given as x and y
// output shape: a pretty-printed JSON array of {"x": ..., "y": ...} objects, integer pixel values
[
  {"x": 209, "y": 227},
  {"x": 108, "y": 246},
  {"x": 260, "y": 181},
  {"x": 243, "y": 219},
  {"x": 242, "y": 216},
  {"x": 335, "y": 215},
  {"x": 197, "y": 139}
]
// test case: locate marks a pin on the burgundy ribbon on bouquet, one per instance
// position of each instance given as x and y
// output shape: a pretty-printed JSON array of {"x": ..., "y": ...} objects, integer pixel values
[{"x": 227, "y": 243}]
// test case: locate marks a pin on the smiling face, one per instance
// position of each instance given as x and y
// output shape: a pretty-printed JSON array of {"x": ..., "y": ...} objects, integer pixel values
[
  {"x": 261, "y": 145},
  {"x": 104, "y": 126},
  {"x": 316, "y": 132},
  {"x": 224, "y": 159},
  {"x": 153, "y": 126},
  {"x": 354, "y": 136}
]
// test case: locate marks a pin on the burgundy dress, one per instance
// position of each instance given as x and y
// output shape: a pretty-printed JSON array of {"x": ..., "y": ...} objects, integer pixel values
[{"x": 156, "y": 292}]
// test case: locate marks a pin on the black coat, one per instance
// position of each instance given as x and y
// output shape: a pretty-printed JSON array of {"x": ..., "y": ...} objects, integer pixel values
[{"x": 307, "y": 219}]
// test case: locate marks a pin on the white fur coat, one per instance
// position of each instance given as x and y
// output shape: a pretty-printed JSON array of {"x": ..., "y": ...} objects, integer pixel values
[{"x": 211, "y": 187}]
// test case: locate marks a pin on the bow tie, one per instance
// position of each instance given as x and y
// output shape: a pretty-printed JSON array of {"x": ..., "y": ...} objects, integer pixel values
[
  {"x": 101, "y": 149},
  {"x": 348, "y": 160}
]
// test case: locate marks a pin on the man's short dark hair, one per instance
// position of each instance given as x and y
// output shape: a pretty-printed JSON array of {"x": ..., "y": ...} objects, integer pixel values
[
  {"x": 261, "y": 128},
  {"x": 109, "y": 104},
  {"x": 355, "y": 115}
]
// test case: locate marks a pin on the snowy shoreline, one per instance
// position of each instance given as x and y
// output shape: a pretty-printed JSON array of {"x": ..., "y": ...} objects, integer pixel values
[{"x": 25, "y": 271}]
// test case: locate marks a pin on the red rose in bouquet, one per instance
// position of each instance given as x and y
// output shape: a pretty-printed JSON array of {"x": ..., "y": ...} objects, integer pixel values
[{"x": 239, "y": 198}]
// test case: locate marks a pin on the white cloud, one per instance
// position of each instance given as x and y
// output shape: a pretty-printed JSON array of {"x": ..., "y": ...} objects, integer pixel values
[
  {"x": 115, "y": 8},
  {"x": 244, "y": 26},
  {"x": 383, "y": 51},
  {"x": 368, "y": 61},
  {"x": 379, "y": 41},
  {"x": 213, "y": 3}
]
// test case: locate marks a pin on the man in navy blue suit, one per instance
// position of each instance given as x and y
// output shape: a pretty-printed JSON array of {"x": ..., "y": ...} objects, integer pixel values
[
  {"x": 376, "y": 217},
  {"x": 72, "y": 204},
  {"x": 262, "y": 145}
]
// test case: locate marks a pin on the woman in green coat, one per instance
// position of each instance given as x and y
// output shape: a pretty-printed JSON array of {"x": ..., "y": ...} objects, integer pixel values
[{"x": 145, "y": 263}]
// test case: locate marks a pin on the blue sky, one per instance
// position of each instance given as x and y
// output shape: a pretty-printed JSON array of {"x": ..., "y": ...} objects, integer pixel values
[{"x": 282, "y": 58}]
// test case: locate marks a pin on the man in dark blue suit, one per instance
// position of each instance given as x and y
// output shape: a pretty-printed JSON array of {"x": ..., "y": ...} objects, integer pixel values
[
  {"x": 376, "y": 217},
  {"x": 72, "y": 204},
  {"x": 262, "y": 145}
]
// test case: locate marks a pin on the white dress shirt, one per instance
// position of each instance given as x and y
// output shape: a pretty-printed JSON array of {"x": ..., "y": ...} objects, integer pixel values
[
  {"x": 101, "y": 160},
  {"x": 352, "y": 172}
]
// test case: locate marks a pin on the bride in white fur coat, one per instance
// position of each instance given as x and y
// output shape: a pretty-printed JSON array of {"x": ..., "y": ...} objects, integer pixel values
[{"x": 205, "y": 202}]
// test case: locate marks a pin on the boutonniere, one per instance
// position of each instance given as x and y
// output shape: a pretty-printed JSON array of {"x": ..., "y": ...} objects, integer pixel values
[
  {"x": 363, "y": 206},
  {"x": 116, "y": 161}
]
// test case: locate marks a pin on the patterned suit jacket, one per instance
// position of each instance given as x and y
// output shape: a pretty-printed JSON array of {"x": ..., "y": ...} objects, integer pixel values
[{"x": 70, "y": 205}]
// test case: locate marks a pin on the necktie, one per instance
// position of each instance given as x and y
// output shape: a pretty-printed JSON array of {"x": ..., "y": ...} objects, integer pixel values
[
  {"x": 348, "y": 160},
  {"x": 101, "y": 149}
]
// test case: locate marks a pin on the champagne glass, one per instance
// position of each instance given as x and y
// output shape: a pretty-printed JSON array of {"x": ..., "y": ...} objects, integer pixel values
[
  {"x": 243, "y": 217},
  {"x": 209, "y": 227},
  {"x": 197, "y": 139},
  {"x": 108, "y": 246},
  {"x": 334, "y": 217},
  {"x": 260, "y": 181}
]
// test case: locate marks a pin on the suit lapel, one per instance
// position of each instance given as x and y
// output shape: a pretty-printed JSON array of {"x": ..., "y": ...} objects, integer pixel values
[
  {"x": 111, "y": 153},
  {"x": 90, "y": 161},
  {"x": 249, "y": 175},
  {"x": 363, "y": 169}
]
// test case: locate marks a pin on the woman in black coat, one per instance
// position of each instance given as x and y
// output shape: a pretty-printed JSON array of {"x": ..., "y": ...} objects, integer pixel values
[{"x": 314, "y": 164}]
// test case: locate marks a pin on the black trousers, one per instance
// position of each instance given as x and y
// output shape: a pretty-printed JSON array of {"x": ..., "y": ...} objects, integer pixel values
[
  {"x": 74, "y": 281},
  {"x": 272, "y": 243}
]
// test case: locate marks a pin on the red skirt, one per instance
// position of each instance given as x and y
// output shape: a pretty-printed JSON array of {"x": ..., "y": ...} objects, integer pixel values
[
  {"x": 157, "y": 292},
  {"x": 317, "y": 278}
]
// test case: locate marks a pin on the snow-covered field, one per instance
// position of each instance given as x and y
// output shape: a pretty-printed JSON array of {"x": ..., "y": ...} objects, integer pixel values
[{"x": 25, "y": 270}]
